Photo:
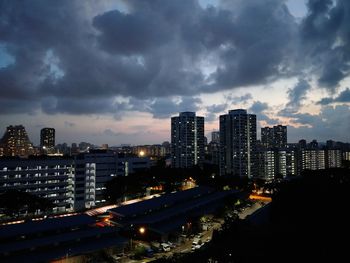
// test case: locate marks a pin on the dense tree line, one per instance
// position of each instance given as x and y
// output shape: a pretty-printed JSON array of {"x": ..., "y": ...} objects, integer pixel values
[
  {"x": 13, "y": 203},
  {"x": 170, "y": 179}
]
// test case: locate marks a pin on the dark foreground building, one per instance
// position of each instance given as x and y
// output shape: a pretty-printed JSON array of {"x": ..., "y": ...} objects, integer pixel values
[
  {"x": 169, "y": 214},
  {"x": 55, "y": 239}
]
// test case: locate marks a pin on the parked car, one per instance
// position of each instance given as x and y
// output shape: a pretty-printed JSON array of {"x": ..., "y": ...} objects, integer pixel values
[
  {"x": 195, "y": 241},
  {"x": 165, "y": 247}
]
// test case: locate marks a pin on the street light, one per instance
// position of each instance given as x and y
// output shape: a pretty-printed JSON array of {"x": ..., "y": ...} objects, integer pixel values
[{"x": 142, "y": 230}]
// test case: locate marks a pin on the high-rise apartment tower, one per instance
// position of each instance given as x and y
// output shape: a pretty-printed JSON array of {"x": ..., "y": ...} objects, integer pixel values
[{"x": 187, "y": 140}]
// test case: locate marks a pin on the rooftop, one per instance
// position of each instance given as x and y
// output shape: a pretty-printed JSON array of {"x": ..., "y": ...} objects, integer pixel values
[
  {"x": 165, "y": 200},
  {"x": 44, "y": 225}
]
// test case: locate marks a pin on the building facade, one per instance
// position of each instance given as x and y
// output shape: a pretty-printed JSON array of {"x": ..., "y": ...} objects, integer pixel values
[
  {"x": 277, "y": 163},
  {"x": 15, "y": 142},
  {"x": 280, "y": 136},
  {"x": 274, "y": 137},
  {"x": 333, "y": 158},
  {"x": 266, "y": 160},
  {"x": 238, "y": 143},
  {"x": 47, "y": 138},
  {"x": 187, "y": 140},
  {"x": 215, "y": 136},
  {"x": 312, "y": 159},
  {"x": 267, "y": 137},
  {"x": 94, "y": 169},
  {"x": 50, "y": 178}
]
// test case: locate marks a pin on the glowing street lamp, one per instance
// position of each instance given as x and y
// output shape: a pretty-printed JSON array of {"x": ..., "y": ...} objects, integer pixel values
[
  {"x": 142, "y": 230},
  {"x": 141, "y": 153}
]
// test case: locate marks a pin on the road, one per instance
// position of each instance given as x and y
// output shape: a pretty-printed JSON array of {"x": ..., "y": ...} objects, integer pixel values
[{"x": 250, "y": 210}]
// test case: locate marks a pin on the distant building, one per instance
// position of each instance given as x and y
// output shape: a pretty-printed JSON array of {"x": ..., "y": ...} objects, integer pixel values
[
  {"x": 277, "y": 163},
  {"x": 85, "y": 146},
  {"x": 167, "y": 147},
  {"x": 187, "y": 140},
  {"x": 302, "y": 144},
  {"x": 312, "y": 159},
  {"x": 74, "y": 150},
  {"x": 346, "y": 156},
  {"x": 267, "y": 137},
  {"x": 214, "y": 152},
  {"x": 287, "y": 164},
  {"x": 15, "y": 142},
  {"x": 266, "y": 160},
  {"x": 154, "y": 151},
  {"x": 280, "y": 136},
  {"x": 63, "y": 149},
  {"x": 47, "y": 138},
  {"x": 313, "y": 145},
  {"x": 238, "y": 143},
  {"x": 215, "y": 136},
  {"x": 104, "y": 146},
  {"x": 330, "y": 144},
  {"x": 333, "y": 158},
  {"x": 274, "y": 137}
]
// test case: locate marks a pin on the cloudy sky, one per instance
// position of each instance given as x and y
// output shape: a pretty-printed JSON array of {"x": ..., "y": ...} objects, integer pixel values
[{"x": 107, "y": 71}]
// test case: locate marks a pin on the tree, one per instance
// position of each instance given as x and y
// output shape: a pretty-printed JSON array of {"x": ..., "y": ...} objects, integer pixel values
[{"x": 14, "y": 202}]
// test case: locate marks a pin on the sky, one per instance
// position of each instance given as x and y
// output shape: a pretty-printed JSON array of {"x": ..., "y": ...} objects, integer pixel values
[{"x": 106, "y": 71}]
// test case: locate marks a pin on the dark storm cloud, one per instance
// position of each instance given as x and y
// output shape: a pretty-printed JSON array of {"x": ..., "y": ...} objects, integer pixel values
[
  {"x": 258, "y": 107},
  {"x": 260, "y": 47},
  {"x": 67, "y": 60},
  {"x": 239, "y": 99},
  {"x": 162, "y": 108},
  {"x": 15, "y": 106},
  {"x": 78, "y": 107},
  {"x": 344, "y": 96},
  {"x": 325, "y": 36},
  {"x": 214, "y": 110},
  {"x": 217, "y": 108},
  {"x": 296, "y": 96},
  {"x": 130, "y": 33},
  {"x": 329, "y": 124}
]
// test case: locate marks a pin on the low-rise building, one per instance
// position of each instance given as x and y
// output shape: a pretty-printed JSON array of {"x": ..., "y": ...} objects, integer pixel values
[
  {"x": 49, "y": 177},
  {"x": 94, "y": 169},
  {"x": 169, "y": 214},
  {"x": 56, "y": 239}
]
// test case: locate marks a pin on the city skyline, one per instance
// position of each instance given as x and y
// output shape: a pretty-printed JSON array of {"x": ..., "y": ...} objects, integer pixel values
[
  {"x": 116, "y": 76},
  {"x": 208, "y": 136}
]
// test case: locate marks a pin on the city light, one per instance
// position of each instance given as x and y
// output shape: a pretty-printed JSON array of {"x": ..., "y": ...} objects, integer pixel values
[
  {"x": 261, "y": 198},
  {"x": 142, "y": 230},
  {"x": 141, "y": 153}
]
